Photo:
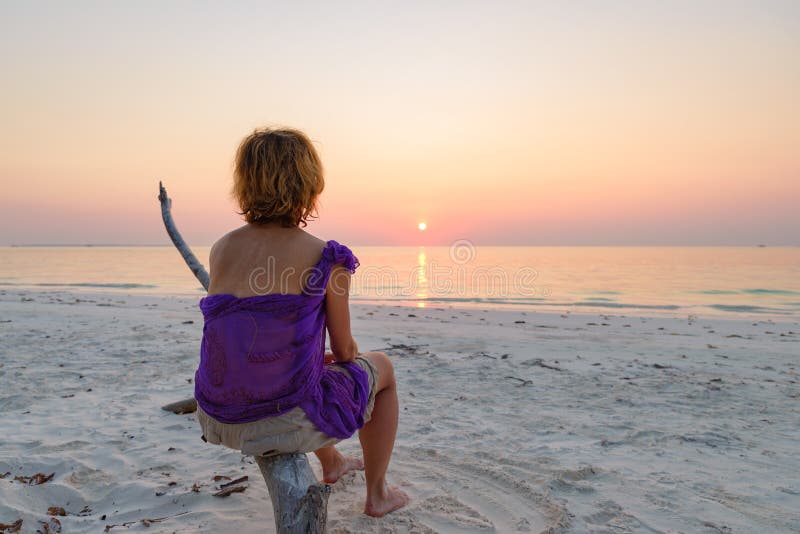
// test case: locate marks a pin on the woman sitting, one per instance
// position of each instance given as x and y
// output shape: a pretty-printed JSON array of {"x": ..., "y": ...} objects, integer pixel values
[{"x": 265, "y": 384}]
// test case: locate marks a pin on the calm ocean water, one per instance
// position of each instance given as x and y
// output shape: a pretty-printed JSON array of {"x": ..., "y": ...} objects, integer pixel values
[{"x": 676, "y": 281}]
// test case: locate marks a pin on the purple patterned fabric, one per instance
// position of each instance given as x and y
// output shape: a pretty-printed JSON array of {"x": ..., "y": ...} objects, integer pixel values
[{"x": 262, "y": 356}]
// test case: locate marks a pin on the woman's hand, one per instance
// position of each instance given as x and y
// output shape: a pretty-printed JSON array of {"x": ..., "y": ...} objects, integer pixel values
[{"x": 331, "y": 357}]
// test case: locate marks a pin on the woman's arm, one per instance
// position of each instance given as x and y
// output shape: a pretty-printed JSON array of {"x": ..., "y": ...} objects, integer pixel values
[{"x": 337, "y": 308}]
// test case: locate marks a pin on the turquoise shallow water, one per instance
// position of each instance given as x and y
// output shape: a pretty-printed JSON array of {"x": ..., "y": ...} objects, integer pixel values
[{"x": 709, "y": 281}]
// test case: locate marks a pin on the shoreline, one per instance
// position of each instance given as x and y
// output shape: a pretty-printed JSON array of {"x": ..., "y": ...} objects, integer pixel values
[
  {"x": 90, "y": 291},
  {"x": 516, "y": 421}
]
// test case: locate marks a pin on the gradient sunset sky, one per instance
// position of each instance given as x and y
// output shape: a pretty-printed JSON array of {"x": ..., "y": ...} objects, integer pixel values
[{"x": 509, "y": 123}]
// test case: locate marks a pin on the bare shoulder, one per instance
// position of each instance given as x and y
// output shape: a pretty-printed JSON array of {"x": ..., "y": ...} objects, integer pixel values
[
  {"x": 219, "y": 246},
  {"x": 313, "y": 240},
  {"x": 312, "y": 244}
]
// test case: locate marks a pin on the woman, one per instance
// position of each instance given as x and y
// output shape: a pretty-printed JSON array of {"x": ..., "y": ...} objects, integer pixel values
[{"x": 265, "y": 384}]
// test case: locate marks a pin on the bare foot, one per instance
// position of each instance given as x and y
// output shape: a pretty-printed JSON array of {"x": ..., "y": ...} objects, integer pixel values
[
  {"x": 393, "y": 499},
  {"x": 339, "y": 467}
]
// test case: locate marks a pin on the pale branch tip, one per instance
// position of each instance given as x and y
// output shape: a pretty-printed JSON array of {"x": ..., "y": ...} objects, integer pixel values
[{"x": 172, "y": 230}]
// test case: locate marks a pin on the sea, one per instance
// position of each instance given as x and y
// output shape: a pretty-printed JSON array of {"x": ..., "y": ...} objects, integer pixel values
[{"x": 753, "y": 282}]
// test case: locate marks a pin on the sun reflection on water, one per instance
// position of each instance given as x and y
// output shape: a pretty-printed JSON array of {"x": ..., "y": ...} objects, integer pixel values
[{"x": 422, "y": 279}]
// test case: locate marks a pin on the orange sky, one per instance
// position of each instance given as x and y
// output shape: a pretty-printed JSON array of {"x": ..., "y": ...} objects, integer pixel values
[{"x": 612, "y": 123}]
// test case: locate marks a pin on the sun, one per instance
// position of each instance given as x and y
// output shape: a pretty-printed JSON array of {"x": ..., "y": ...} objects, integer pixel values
[{"x": 422, "y": 226}]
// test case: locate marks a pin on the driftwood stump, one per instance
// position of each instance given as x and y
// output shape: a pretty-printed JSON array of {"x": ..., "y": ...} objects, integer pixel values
[
  {"x": 299, "y": 501},
  {"x": 296, "y": 509}
]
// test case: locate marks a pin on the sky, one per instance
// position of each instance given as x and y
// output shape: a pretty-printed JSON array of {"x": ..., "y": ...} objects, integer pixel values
[{"x": 505, "y": 123}]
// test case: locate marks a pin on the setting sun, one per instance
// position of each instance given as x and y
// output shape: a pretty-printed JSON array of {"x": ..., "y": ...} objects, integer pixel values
[{"x": 422, "y": 226}]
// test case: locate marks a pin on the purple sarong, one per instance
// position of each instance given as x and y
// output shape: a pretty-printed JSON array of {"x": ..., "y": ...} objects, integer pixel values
[{"x": 262, "y": 356}]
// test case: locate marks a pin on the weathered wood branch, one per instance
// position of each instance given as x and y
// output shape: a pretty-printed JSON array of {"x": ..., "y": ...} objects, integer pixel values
[
  {"x": 296, "y": 509},
  {"x": 299, "y": 501},
  {"x": 185, "y": 405},
  {"x": 191, "y": 260}
]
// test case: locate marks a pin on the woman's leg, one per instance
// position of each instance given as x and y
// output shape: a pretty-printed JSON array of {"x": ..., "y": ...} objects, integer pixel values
[
  {"x": 335, "y": 464},
  {"x": 377, "y": 441}
]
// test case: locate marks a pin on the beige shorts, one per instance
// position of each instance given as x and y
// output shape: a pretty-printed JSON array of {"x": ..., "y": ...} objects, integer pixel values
[{"x": 286, "y": 433}]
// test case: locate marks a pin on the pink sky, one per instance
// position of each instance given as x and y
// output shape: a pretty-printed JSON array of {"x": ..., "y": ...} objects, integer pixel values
[{"x": 614, "y": 123}]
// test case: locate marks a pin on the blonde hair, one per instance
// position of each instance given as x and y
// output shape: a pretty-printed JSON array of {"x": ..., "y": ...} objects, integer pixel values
[{"x": 277, "y": 177}]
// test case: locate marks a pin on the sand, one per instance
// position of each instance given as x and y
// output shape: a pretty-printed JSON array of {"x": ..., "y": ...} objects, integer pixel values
[{"x": 510, "y": 421}]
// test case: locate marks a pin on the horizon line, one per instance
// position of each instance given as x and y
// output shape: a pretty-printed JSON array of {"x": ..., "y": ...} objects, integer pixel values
[{"x": 153, "y": 245}]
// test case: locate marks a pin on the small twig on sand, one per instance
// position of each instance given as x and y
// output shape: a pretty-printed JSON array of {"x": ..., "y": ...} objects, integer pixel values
[
  {"x": 35, "y": 480},
  {"x": 522, "y": 381},
  {"x": 146, "y": 522},
  {"x": 722, "y": 530},
  {"x": 393, "y": 347},
  {"x": 229, "y": 490},
  {"x": 540, "y": 363},
  {"x": 233, "y": 482},
  {"x": 11, "y": 527}
]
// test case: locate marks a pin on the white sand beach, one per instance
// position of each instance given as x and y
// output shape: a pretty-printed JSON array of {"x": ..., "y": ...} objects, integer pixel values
[{"x": 510, "y": 422}]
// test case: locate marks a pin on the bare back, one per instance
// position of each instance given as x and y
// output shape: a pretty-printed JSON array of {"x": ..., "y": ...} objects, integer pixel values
[{"x": 263, "y": 259}]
